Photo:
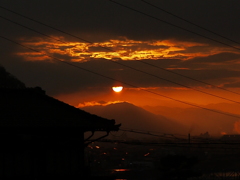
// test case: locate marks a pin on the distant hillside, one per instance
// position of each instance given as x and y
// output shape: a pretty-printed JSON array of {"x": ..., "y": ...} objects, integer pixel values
[
  {"x": 133, "y": 117},
  {"x": 200, "y": 120}
]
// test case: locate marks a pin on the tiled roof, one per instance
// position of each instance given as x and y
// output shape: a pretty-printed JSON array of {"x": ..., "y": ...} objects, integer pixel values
[{"x": 32, "y": 109}]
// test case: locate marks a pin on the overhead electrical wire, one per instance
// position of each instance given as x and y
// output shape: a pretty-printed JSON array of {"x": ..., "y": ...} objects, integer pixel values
[
  {"x": 104, "y": 75},
  {"x": 44, "y": 24},
  {"x": 203, "y": 145},
  {"x": 179, "y": 27},
  {"x": 190, "y": 22},
  {"x": 77, "y": 37},
  {"x": 123, "y": 82},
  {"x": 171, "y": 24},
  {"x": 155, "y": 132},
  {"x": 158, "y": 19},
  {"x": 212, "y": 85},
  {"x": 127, "y": 65},
  {"x": 17, "y": 23},
  {"x": 201, "y": 27},
  {"x": 149, "y": 133}
]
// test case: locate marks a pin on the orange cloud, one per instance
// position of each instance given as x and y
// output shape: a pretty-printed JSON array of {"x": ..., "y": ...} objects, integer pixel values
[
  {"x": 125, "y": 49},
  {"x": 223, "y": 133},
  {"x": 174, "y": 43},
  {"x": 33, "y": 56},
  {"x": 177, "y": 68},
  {"x": 97, "y": 103}
]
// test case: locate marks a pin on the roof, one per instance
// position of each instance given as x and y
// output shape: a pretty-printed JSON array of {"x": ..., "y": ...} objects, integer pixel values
[{"x": 30, "y": 109}]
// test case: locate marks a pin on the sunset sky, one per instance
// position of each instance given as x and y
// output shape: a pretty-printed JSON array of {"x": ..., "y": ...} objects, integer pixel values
[{"x": 76, "y": 50}]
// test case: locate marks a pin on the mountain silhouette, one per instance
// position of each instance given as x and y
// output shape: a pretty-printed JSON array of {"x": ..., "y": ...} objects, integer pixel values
[
  {"x": 199, "y": 120},
  {"x": 133, "y": 117}
]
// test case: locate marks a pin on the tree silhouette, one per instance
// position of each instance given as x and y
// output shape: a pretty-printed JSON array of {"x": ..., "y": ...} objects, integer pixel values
[{"x": 9, "y": 81}]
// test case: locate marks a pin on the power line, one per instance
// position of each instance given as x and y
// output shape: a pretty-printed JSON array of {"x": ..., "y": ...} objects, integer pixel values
[
  {"x": 46, "y": 25},
  {"x": 123, "y": 82},
  {"x": 130, "y": 66},
  {"x": 155, "y": 132},
  {"x": 183, "y": 19},
  {"x": 111, "y": 61},
  {"x": 197, "y": 145},
  {"x": 171, "y": 24},
  {"x": 198, "y": 27},
  {"x": 98, "y": 73},
  {"x": 150, "y": 133},
  {"x": 77, "y": 37},
  {"x": 31, "y": 29},
  {"x": 189, "y": 77},
  {"x": 36, "y": 31},
  {"x": 135, "y": 10}
]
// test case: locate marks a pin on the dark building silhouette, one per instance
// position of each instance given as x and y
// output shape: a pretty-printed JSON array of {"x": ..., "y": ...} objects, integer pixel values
[{"x": 43, "y": 137}]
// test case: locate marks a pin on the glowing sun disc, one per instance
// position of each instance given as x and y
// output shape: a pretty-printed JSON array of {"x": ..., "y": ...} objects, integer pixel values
[{"x": 117, "y": 88}]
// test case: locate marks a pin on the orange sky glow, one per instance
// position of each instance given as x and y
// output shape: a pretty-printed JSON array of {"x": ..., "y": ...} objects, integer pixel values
[
  {"x": 164, "y": 64},
  {"x": 141, "y": 97},
  {"x": 127, "y": 49}
]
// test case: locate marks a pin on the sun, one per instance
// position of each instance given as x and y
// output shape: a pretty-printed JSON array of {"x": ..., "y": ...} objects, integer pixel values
[{"x": 117, "y": 88}]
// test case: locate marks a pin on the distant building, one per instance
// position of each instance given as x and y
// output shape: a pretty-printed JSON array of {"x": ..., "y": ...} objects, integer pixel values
[
  {"x": 231, "y": 138},
  {"x": 43, "y": 137},
  {"x": 205, "y": 135}
]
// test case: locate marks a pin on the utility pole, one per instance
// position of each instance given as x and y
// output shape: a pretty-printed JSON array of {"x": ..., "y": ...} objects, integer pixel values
[{"x": 189, "y": 138}]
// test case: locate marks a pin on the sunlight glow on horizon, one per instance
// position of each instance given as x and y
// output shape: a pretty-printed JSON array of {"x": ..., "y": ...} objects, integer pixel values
[{"x": 94, "y": 103}]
